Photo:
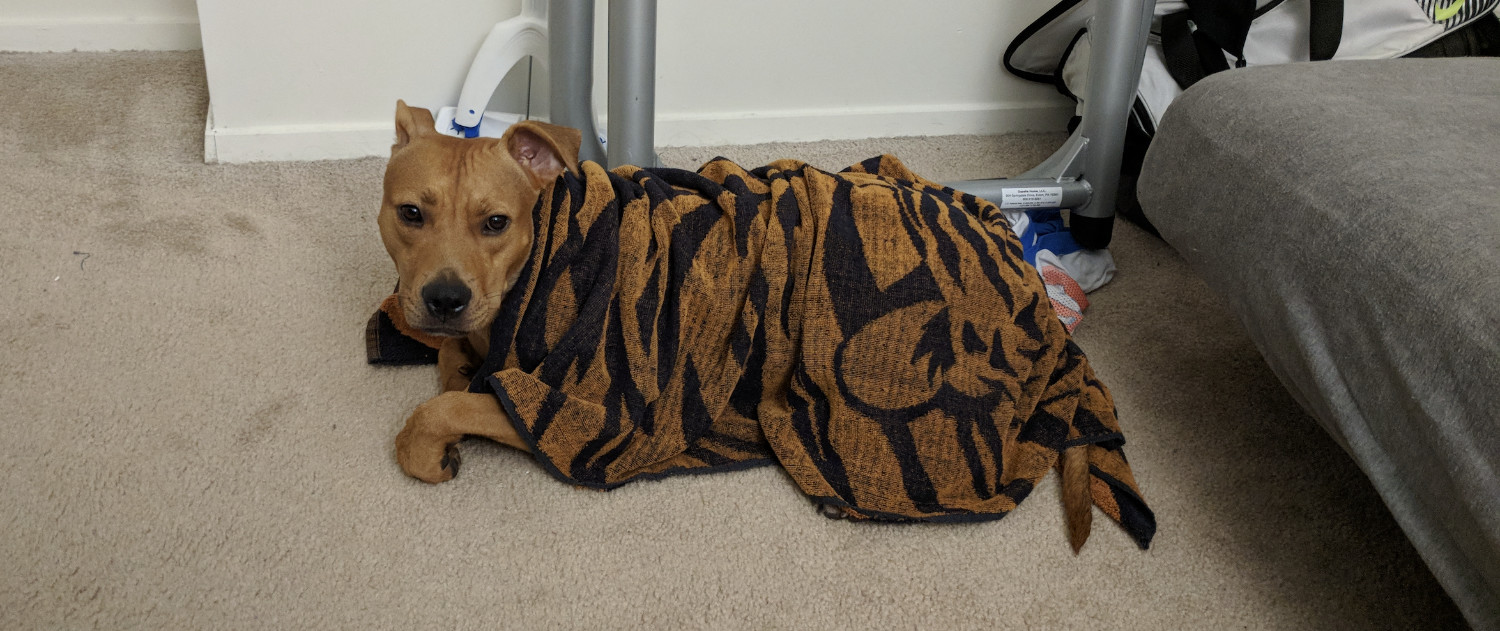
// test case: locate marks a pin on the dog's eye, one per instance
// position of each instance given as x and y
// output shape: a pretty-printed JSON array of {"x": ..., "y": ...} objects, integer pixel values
[
  {"x": 410, "y": 214},
  {"x": 496, "y": 224}
]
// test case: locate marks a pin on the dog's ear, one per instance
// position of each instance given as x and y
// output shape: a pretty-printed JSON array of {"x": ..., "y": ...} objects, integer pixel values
[
  {"x": 543, "y": 150},
  {"x": 411, "y": 122}
]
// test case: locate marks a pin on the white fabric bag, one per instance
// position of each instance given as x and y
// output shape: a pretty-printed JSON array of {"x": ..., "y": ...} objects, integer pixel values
[{"x": 1055, "y": 48}]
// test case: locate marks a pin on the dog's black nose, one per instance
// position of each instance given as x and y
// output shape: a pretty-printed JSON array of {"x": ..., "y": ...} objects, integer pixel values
[{"x": 446, "y": 299}]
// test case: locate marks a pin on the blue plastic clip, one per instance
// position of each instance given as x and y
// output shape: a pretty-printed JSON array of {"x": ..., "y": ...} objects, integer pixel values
[{"x": 468, "y": 132}]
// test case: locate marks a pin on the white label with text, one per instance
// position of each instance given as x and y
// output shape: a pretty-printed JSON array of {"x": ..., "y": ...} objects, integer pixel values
[{"x": 1039, "y": 197}]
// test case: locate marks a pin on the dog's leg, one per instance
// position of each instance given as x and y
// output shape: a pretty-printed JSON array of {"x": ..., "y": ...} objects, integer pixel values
[
  {"x": 457, "y": 362},
  {"x": 427, "y": 448}
]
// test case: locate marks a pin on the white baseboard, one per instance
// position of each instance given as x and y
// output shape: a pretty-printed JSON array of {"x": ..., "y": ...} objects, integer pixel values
[
  {"x": 358, "y": 140},
  {"x": 63, "y": 35},
  {"x": 272, "y": 143}
]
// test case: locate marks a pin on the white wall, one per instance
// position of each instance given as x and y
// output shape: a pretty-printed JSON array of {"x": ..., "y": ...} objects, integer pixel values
[
  {"x": 291, "y": 79},
  {"x": 65, "y": 25},
  {"x": 810, "y": 70}
]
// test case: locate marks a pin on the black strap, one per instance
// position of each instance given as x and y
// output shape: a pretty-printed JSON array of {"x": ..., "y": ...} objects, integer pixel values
[
  {"x": 1190, "y": 53},
  {"x": 1178, "y": 50},
  {"x": 1325, "y": 28},
  {"x": 1224, "y": 22},
  {"x": 1211, "y": 54}
]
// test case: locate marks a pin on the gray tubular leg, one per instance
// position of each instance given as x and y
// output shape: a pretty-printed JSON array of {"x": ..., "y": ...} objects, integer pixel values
[
  {"x": 632, "y": 83},
  {"x": 1118, "y": 36},
  {"x": 1085, "y": 172},
  {"x": 570, "y": 42}
]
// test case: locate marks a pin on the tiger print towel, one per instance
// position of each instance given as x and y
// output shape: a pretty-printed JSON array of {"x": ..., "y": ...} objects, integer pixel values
[{"x": 877, "y": 335}]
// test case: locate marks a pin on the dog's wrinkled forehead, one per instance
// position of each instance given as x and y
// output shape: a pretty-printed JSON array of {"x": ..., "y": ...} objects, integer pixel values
[
  {"x": 431, "y": 157},
  {"x": 440, "y": 169}
]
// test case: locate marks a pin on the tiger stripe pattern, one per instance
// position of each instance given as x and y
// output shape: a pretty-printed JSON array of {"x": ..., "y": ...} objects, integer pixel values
[{"x": 876, "y": 334}]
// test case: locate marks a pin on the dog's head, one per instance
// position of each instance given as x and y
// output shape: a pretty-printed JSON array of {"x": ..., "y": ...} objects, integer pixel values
[{"x": 456, "y": 215}]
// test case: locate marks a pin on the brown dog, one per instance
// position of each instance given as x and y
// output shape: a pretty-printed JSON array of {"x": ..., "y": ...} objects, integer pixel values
[{"x": 456, "y": 219}]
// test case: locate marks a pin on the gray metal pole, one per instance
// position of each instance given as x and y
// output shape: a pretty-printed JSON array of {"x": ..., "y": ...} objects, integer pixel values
[
  {"x": 632, "y": 83},
  {"x": 1118, "y": 48},
  {"x": 1084, "y": 174},
  {"x": 570, "y": 51}
]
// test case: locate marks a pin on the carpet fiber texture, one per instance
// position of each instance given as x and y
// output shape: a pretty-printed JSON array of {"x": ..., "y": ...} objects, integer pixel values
[{"x": 192, "y": 438}]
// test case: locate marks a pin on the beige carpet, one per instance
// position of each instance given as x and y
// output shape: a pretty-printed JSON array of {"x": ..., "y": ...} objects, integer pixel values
[{"x": 192, "y": 439}]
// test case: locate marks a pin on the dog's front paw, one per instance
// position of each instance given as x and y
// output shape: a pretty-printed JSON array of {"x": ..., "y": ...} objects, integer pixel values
[
  {"x": 424, "y": 455},
  {"x": 457, "y": 363},
  {"x": 458, "y": 379}
]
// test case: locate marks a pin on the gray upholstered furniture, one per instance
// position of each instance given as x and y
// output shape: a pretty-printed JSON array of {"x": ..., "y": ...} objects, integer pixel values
[{"x": 1349, "y": 213}]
